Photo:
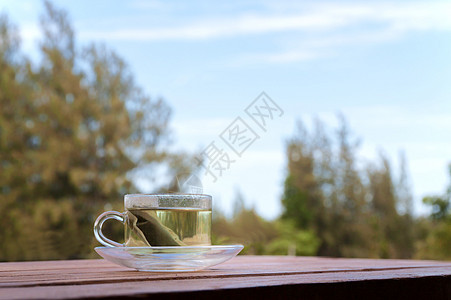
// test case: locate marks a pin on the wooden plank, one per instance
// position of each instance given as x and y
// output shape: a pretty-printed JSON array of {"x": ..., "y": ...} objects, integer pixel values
[
  {"x": 99, "y": 278},
  {"x": 142, "y": 288},
  {"x": 80, "y": 277},
  {"x": 103, "y": 271},
  {"x": 55, "y": 264},
  {"x": 241, "y": 262}
]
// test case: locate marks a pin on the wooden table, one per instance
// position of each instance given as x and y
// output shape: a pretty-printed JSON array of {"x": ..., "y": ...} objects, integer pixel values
[{"x": 244, "y": 277}]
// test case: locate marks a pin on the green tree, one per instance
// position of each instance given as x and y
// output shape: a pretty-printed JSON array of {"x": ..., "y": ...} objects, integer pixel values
[
  {"x": 393, "y": 231},
  {"x": 352, "y": 212},
  {"x": 349, "y": 216},
  {"x": 323, "y": 190},
  {"x": 245, "y": 227},
  {"x": 259, "y": 236},
  {"x": 74, "y": 128},
  {"x": 292, "y": 241},
  {"x": 16, "y": 111},
  {"x": 300, "y": 201},
  {"x": 436, "y": 243}
]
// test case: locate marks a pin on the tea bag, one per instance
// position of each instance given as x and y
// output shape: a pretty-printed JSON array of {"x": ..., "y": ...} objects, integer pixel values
[
  {"x": 141, "y": 241},
  {"x": 150, "y": 230}
]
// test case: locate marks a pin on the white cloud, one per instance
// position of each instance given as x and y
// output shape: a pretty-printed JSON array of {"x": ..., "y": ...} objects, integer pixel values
[
  {"x": 201, "y": 128},
  {"x": 150, "y": 4},
  {"x": 259, "y": 178},
  {"x": 385, "y": 23},
  {"x": 282, "y": 57},
  {"x": 320, "y": 17},
  {"x": 30, "y": 31},
  {"x": 394, "y": 116},
  {"x": 320, "y": 28},
  {"x": 238, "y": 26}
]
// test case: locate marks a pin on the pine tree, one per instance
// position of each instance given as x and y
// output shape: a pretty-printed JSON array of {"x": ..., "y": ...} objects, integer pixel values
[{"x": 74, "y": 128}]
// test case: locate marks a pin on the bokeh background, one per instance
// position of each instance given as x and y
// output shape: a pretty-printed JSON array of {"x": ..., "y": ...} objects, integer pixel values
[{"x": 99, "y": 99}]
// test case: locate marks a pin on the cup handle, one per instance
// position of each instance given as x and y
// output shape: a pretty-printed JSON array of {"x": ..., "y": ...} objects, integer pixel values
[{"x": 99, "y": 223}]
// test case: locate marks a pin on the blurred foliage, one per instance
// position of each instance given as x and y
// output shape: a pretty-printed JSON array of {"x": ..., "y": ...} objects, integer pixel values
[
  {"x": 356, "y": 208},
  {"x": 260, "y": 236},
  {"x": 292, "y": 241},
  {"x": 437, "y": 237},
  {"x": 334, "y": 204},
  {"x": 75, "y": 128},
  {"x": 352, "y": 210}
]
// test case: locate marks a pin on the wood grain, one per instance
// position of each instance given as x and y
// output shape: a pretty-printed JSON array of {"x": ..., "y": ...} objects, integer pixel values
[{"x": 244, "y": 275}]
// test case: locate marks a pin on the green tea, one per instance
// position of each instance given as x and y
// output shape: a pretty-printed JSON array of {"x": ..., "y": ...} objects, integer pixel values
[{"x": 167, "y": 227}]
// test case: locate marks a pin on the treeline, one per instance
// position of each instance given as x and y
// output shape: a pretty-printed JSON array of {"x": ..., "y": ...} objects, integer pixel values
[
  {"x": 73, "y": 128},
  {"x": 336, "y": 204}
]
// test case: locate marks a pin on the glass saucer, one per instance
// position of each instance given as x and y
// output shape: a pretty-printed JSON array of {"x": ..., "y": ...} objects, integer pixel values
[{"x": 169, "y": 259}]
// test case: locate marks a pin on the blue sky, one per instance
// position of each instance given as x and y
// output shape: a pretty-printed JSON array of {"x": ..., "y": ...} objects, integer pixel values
[{"x": 385, "y": 65}]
